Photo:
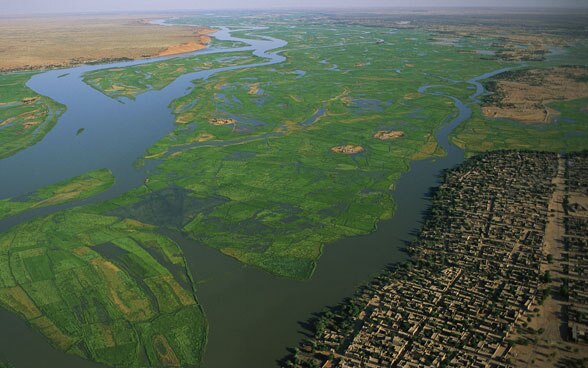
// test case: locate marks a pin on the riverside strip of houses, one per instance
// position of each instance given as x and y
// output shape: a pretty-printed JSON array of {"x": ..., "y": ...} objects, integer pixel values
[
  {"x": 575, "y": 265},
  {"x": 475, "y": 274}
]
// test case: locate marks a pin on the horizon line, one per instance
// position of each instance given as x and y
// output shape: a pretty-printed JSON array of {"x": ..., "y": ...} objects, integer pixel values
[{"x": 307, "y": 8}]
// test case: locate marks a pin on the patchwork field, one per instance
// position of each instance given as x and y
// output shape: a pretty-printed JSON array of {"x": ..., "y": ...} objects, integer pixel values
[
  {"x": 102, "y": 288},
  {"x": 525, "y": 95}
]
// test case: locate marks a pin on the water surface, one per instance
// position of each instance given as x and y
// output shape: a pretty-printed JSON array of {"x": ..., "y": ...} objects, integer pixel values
[{"x": 253, "y": 316}]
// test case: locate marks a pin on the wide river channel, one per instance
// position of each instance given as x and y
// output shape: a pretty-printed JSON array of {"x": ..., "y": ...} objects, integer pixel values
[{"x": 253, "y": 316}]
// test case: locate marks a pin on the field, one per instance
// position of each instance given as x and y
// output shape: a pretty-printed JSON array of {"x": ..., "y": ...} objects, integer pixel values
[
  {"x": 25, "y": 116},
  {"x": 525, "y": 95},
  {"x": 80, "y": 187},
  {"x": 57, "y": 42},
  {"x": 536, "y": 109},
  {"x": 103, "y": 288},
  {"x": 569, "y": 131}
]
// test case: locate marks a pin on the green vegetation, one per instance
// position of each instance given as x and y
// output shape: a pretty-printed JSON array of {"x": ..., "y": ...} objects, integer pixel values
[
  {"x": 80, "y": 187},
  {"x": 249, "y": 170},
  {"x": 25, "y": 116},
  {"x": 132, "y": 81},
  {"x": 263, "y": 185},
  {"x": 102, "y": 288},
  {"x": 568, "y": 133},
  {"x": 286, "y": 194},
  {"x": 215, "y": 43}
]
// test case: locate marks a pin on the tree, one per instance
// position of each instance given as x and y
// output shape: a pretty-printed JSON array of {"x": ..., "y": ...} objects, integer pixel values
[
  {"x": 546, "y": 277},
  {"x": 564, "y": 291}
]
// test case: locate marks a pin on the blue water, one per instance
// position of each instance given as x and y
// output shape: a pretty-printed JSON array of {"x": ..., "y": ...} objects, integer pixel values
[
  {"x": 116, "y": 134},
  {"x": 253, "y": 316}
]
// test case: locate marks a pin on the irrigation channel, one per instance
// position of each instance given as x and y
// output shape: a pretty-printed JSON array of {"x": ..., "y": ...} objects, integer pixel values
[{"x": 253, "y": 316}]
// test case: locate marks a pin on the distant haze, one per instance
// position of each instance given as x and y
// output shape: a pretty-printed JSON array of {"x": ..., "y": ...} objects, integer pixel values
[{"x": 22, "y": 7}]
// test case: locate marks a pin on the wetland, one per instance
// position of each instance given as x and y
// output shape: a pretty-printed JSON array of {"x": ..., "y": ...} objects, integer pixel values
[{"x": 207, "y": 207}]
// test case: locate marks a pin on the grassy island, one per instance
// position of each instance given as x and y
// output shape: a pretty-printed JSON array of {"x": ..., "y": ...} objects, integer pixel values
[{"x": 25, "y": 116}]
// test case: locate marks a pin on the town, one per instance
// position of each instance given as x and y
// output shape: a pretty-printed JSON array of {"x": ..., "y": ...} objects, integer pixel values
[{"x": 496, "y": 277}]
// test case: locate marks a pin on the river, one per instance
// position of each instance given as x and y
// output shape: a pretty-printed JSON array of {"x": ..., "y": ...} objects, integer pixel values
[{"x": 253, "y": 316}]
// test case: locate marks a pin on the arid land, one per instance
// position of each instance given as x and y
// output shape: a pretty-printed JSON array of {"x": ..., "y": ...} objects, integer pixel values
[
  {"x": 524, "y": 95},
  {"x": 44, "y": 43}
]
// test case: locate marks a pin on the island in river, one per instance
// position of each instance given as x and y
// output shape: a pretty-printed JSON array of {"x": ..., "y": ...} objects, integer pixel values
[{"x": 229, "y": 152}]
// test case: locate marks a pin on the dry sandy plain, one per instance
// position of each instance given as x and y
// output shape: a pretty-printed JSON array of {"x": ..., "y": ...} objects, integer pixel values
[{"x": 49, "y": 42}]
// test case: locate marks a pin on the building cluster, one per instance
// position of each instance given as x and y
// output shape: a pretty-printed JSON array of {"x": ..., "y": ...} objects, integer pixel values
[
  {"x": 475, "y": 271},
  {"x": 575, "y": 266}
]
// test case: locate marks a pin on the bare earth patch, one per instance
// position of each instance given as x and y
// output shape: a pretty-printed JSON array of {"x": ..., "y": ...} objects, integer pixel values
[
  {"x": 253, "y": 89},
  {"x": 524, "y": 95},
  {"x": 385, "y": 135},
  {"x": 221, "y": 121},
  {"x": 201, "y": 43},
  {"x": 348, "y": 149},
  {"x": 204, "y": 137}
]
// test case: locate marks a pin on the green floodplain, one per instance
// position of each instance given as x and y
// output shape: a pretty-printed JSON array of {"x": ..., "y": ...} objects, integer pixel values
[
  {"x": 132, "y": 81},
  {"x": 248, "y": 170},
  {"x": 25, "y": 116},
  {"x": 80, "y": 187},
  {"x": 481, "y": 134}
]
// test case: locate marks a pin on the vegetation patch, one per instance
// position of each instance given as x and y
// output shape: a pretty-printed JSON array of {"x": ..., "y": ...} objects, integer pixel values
[
  {"x": 568, "y": 132},
  {"x": 25, "y": 116},
  {"x": 261, "y": 140},
  {"x": 133, "y": 81},
  {"x": 123, "y": 306},
  {"x": 79, "y": 187}
]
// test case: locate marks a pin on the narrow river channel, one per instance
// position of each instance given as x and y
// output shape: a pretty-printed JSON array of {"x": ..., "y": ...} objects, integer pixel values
[{"x": 253, "y": 316}]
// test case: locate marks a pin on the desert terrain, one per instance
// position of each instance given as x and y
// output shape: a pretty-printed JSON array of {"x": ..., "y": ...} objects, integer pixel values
[{"x": 43, "y": 43}]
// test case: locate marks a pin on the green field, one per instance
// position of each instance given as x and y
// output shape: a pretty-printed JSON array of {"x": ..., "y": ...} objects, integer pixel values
[
  {"x": 132, "y": 81},
  {"x": 25, "y": 116},
  {"x": 103, "y": 288},
  {"x": 80, "y": 187},
  {"x": 569, "y": 133}
]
